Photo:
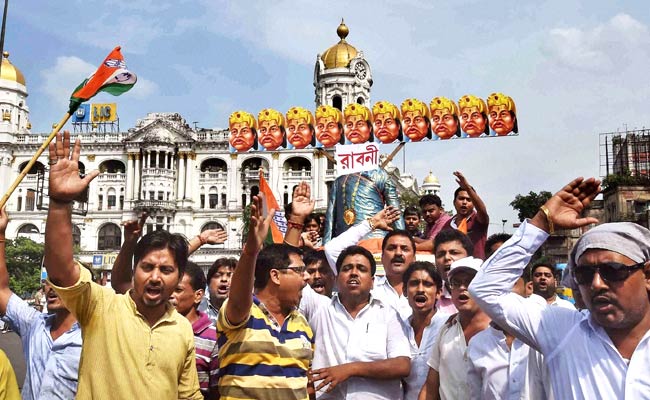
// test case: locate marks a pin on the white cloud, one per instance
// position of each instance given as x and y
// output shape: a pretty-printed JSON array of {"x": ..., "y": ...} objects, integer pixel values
[
  {"x": 599, "y": 49},
  {"x": 133, "y": 32},
  {"x": 60, "y": 79},
  {"x": 143, "y": 89}
]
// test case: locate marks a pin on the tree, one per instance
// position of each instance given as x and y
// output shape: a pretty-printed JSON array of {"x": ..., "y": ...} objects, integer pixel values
[
  {"x": 24, "y": 265},
  {"x": 408, "y": 198},
  {"x": 527, "y": 205}
]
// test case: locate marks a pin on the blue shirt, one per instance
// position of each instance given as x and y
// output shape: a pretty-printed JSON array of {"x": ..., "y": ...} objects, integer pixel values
[{"x": 52, "y": 365}]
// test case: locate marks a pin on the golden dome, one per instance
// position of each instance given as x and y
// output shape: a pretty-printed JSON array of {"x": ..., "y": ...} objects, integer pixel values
[
  {"x": 9, "y": 72},
  {"x": 339, "y": 55},
  {"x": 431, "y": 178}
]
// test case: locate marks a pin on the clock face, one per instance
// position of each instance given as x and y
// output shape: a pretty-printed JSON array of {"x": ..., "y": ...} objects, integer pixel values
[{"x": 361, "y": 71}]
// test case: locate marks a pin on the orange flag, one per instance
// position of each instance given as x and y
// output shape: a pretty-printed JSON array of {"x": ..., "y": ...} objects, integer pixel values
[{"x": 279, "y": 225}]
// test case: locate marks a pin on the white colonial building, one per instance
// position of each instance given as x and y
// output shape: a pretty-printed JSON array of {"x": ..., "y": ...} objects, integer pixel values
[{"x": 184, "y": 177}]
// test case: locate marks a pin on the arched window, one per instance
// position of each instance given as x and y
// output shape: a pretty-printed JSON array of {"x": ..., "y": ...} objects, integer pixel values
[
  {"x": 76, "y": 235},
  {"x": 337, "y": 102},
  {"x": 110, "y": 237},
  {"x": 213, "y": 197},
  {"x": 28, "y": 229},
  {"x": 360, "y": 100},
  {"x": 212, "y": 225},
  {"x": 112, "y": 199},
  {"x": 112, "y": 167}
]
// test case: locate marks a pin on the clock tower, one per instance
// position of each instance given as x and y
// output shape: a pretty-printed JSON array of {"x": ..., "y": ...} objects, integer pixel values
[{"x": 342, "y": 74}]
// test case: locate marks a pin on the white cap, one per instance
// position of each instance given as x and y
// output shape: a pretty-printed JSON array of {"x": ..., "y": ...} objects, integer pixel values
[{"x": 469, "y": 264}]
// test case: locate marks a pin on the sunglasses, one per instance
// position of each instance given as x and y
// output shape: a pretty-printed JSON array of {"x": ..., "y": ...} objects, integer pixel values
[{"x": 609, "y": 272}]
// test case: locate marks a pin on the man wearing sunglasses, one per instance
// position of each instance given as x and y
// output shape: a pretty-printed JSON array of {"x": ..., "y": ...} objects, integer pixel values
[{"x": 608, "y": 351}]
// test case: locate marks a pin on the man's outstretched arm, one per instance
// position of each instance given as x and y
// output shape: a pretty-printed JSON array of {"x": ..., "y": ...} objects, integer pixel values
[
  {"x": 65, "y": 186},
  {"x": 479, "y": 205},
  {"x": 240, "y": 299},
  {"x": 491, "y": 288},
  {"x": 122, "y": 272}
]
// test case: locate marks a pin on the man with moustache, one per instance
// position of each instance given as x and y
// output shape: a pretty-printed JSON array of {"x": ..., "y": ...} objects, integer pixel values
[
  {"x": 471, "y": 215},
  {"x": 397, "y": 253},
  {"x": 357, "y": 123},
  {"x": 321, "y": 277},
  {"x": 444, "y": 118},
  {"x": 144, "y": 315},
  {"x": 449, "y": 246},
  {"x": 502, "y": 114},
  {"x": 51, "y": 342},
  {"x": 473, "y": 116},
  {"x": 243, "y": 131},
  {"x": 329, "y": 126},
  {"x": 265, "y": 343},
  {"x": 448, "y": 364},
  {"x": 416, "y": 120},
  {"x": 608, "y": 351},
  {"x": 422, "y": 284},
  {"x": 545, "y": 284},
  {"x": 271, "y": 129},
  {"x": 361, "y": 349},
  {"x": 300, "y": 128},
  {"x": 386, "y": 122}
]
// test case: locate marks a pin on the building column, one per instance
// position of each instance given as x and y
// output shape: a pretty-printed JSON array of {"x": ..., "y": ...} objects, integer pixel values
[
  {"x": 189, "y": 182},
  {"x": 136, "y": 176},
  {"x": 145, "y": 159},
  {"x": 129, "y": 177},
  {"x": 180, "y": 177}
]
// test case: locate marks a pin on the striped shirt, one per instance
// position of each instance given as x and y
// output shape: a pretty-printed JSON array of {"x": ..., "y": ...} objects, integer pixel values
[
  {"x": 207, "y": 352},
  {"x": 260, "y": 359}
]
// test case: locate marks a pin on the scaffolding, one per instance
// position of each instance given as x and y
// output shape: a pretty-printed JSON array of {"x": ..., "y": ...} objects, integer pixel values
[{"x": 625, "y": 153}]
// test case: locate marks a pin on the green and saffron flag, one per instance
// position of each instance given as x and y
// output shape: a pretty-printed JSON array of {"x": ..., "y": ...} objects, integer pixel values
[{"x": 111, "y": 77}]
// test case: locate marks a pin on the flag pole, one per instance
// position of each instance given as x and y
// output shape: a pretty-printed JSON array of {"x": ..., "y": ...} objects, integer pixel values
[{"x": 31, "y": 162}]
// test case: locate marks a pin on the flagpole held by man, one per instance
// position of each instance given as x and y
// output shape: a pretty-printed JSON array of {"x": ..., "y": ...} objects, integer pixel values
[{"x": 111, "y": 77}]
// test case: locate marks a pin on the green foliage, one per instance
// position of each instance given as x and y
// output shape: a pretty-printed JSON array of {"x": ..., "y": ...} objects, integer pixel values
[
  {"x": 24, "y": 265},
  {"x": 246, "y": 219},
  {"x": 408, "y": 198},
  {"x": 613, "y": 181},
  {"x": 527, "y": 205}
]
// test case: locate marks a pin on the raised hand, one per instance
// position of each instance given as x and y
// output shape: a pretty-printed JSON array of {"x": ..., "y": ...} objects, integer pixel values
[
  {"x": 566, "y": 205},
  {"x": 384, "y": 218},
  {"x": 302, "y": 204},
  {"x": 133, "y": 228},
  {"x": 258, "y": 227},
  {"x": 461, "y": 180},
  {"x": 65, "y": 183},
  {"x": 213, "y": 236}
]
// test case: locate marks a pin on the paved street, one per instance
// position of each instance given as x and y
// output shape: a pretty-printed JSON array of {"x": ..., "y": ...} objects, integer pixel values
[{"x": 10, "y": 344}]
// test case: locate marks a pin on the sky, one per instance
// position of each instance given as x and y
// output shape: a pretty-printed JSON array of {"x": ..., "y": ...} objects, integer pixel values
[{"x": 574, "y": 68}]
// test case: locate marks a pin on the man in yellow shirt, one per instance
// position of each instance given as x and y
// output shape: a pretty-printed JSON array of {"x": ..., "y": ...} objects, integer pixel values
[{"x": 136, "y": 346}]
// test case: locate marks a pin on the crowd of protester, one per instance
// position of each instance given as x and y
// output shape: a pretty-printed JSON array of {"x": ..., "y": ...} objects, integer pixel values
[{"x": 307, "y": 319}]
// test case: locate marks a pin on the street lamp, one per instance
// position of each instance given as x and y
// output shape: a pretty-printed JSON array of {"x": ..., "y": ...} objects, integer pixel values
[{"x": 503, "y": 227}]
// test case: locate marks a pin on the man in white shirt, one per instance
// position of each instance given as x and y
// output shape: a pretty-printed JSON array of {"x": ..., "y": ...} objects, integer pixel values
[
  {"x": 361, "y": 349},
  {"x": 602, "y": 354},
  {"x": 397, "y": 253},
  {"x": 498, "y": 362},
  {"x": 447, "y": 377},
  {"x": 545, "y": 285},
  {"x": 422, "y": 287}
]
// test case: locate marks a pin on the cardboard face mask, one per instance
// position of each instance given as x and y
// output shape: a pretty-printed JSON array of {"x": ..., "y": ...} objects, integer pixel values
[
  {"x": 243, "y": 131},
  {"x": 329, "y": 126},
  {"x": 416, "y": 120},
  {"x": 300, "y": 128},
  {"x": 271, "y": 131},
  {"x": 357, "y": 124},
  {"x": 386, "y": 122},
  {"x": 502, "y": 114},
  {"x": 473, "y": 116},
  {"x": 444, "y": 118}
]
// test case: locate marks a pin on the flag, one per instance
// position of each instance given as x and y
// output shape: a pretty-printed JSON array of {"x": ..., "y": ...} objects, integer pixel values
[
  {"x": 279, "y": 225},
  {"x": 111, "y": 77}
]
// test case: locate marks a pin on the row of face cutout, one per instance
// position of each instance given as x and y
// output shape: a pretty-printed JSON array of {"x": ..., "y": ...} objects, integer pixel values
[{"x": 413, "y": 121}]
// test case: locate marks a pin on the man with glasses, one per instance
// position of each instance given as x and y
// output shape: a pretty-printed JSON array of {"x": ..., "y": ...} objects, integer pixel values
[
  {"x": 609, "y": 350},
  {"x": 448, "y": 365},
  {"x": 265, "y": 343}
]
